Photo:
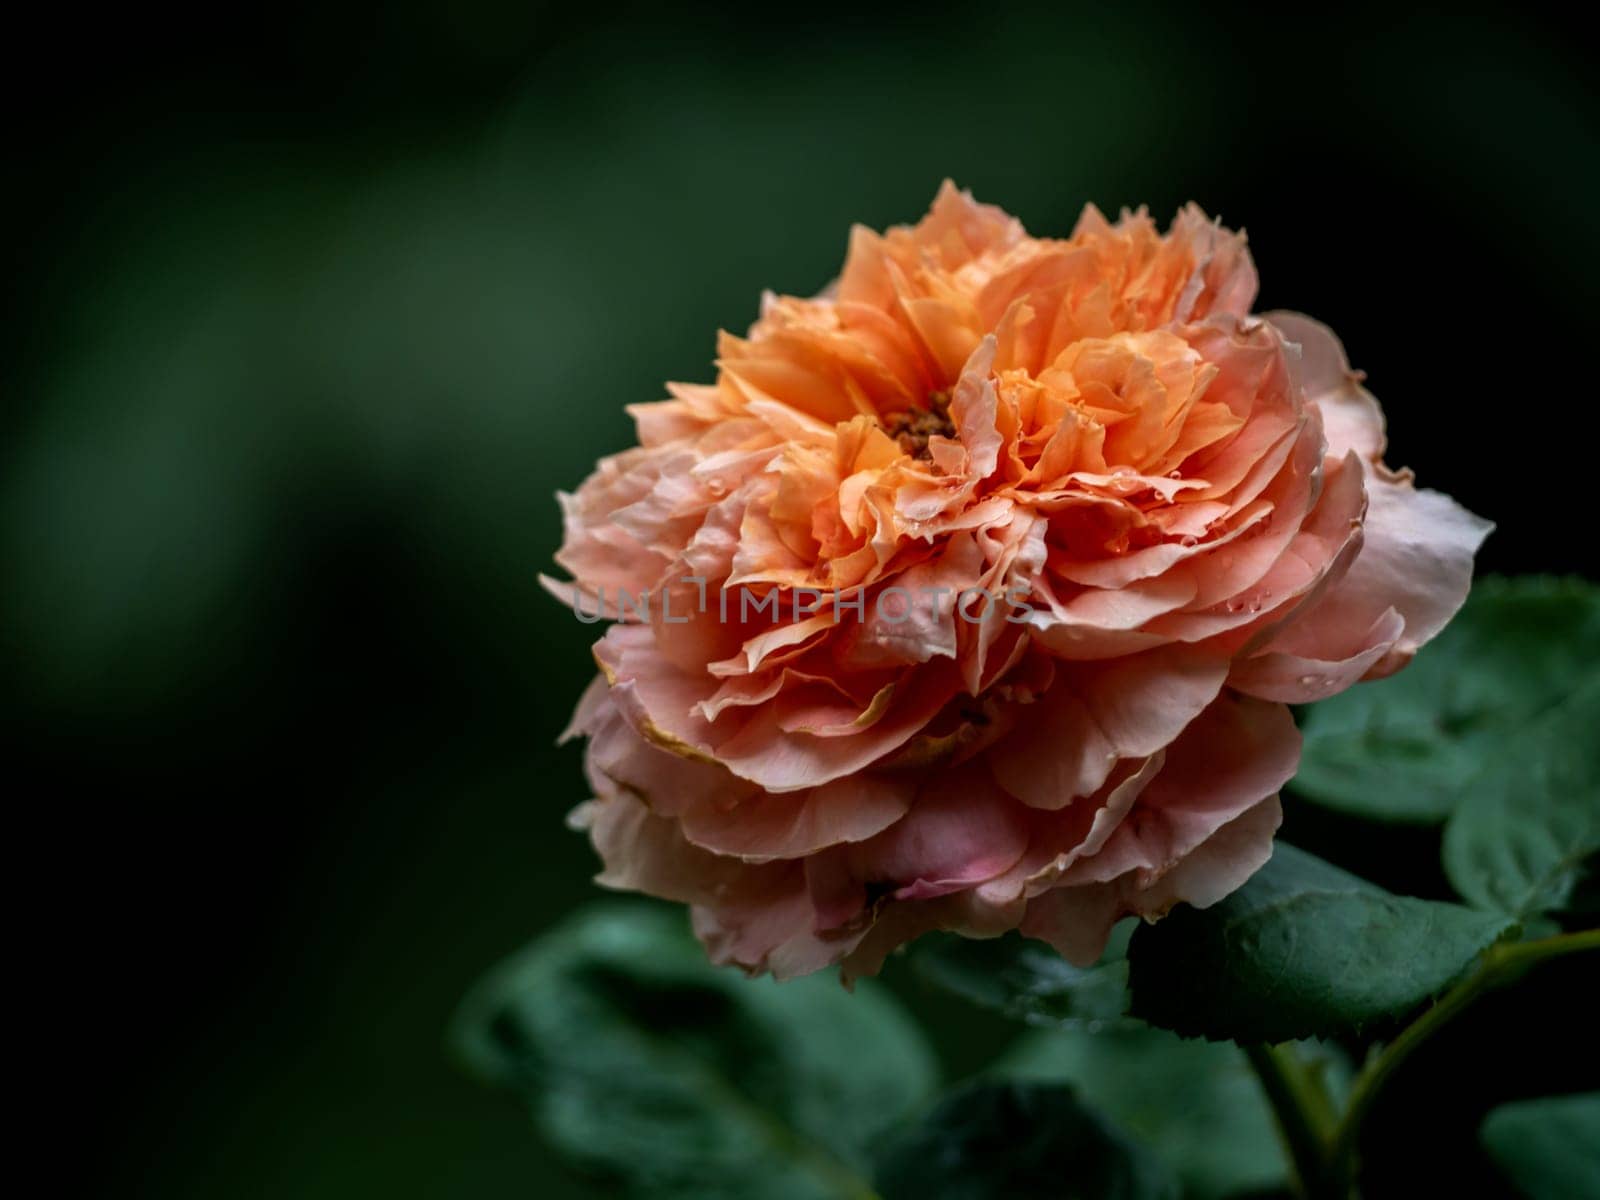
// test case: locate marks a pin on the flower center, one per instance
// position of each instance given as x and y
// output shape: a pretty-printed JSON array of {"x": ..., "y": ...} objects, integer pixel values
[{"x": 912, "y": 427}]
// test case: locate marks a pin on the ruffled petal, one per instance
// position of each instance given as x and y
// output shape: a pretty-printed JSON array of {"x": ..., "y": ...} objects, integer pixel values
[
  {"x": 1351, "y": 417},
  {"x": 794, "y": 824},
  {"x": 1416, "y": 558},
  {"x": 1099, "y": 714}
]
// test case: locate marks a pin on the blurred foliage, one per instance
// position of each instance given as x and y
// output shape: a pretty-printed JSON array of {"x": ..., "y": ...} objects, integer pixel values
[
  {"x": 312, "y": 315},
  {"x": 1025, "y": 980},
  {"x": 1526, "y": 838},
  {"x": 670, "y": 1077},
  {"x": 1548, "y": 1148},
  {"x": 1410, "y": 747},
  {"x": 1015, "y": 1138},
  {"x": 1195, "y": 1105}
]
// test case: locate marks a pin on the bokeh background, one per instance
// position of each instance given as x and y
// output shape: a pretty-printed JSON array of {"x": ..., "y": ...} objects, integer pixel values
[{"x": 312, "y": 310}]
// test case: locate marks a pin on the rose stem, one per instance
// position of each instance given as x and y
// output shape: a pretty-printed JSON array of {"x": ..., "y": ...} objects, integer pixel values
[{"x": 1499, "y": 965}]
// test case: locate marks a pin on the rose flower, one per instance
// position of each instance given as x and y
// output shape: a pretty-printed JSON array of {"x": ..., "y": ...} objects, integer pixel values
[{"x": 974, "y": 592}]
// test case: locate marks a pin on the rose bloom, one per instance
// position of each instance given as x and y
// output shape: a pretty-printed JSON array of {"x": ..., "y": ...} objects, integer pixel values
[{"x": 1180, "y": 521}]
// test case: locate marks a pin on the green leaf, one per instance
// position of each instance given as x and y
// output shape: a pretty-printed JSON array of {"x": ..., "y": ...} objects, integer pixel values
[
  {"x": 1301, "y": 950},
  {"x": 1023, "y": 979},
  {"x": 1408, "y": 747},
  {"x": 1520, "y": 842},
  {"x": 1003, "y": 1141},
  {"x": 1195, "y": 1105},
  {"x": 1549, "y": 1148},
  {"x": 673, "y": 1078}
]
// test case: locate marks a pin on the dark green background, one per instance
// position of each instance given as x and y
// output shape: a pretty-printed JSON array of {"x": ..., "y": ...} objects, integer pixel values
[{"x": 311, "y": 312}]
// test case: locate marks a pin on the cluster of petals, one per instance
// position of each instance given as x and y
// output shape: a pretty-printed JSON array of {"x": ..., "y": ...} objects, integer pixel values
[{"x": 1126, "y": 523}]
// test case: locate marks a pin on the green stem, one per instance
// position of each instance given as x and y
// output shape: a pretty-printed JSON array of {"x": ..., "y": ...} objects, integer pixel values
[
  {"x": 1305, "y": 1116},
  {"x": 1499, "y": 965},
  {"x": 1324, "y": 1146}
]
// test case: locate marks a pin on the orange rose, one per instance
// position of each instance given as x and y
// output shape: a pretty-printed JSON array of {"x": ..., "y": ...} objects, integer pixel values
[{"x": 973, "y": 593}]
